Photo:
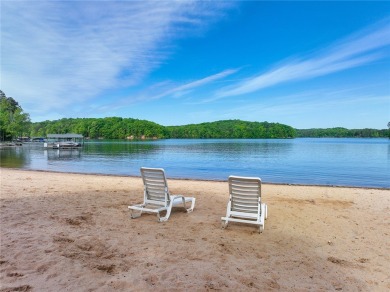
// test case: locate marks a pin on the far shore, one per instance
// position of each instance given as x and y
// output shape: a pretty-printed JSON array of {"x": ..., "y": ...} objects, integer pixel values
[{"x": 73, "y": 232}]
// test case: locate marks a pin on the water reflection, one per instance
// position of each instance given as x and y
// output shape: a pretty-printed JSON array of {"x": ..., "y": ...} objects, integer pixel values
[
  {"x": 356, "y": 162},
  {"x": 224, "y": 148},
  {"x": 13, "y": 157},
  {"x": 115, "y": 148},
  {"x": 63, "y": 154},
  {"x": 231, "y": 149}
]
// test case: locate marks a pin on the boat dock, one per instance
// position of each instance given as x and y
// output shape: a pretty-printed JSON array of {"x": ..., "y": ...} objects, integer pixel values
[{"x": 64, "y": 141}]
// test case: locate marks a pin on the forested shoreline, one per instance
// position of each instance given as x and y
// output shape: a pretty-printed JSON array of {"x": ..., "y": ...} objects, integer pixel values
[
  {"x": 14, "y": 123},
  {"x": 128, "y": 128},
  {"x": 339, "y": 132}
]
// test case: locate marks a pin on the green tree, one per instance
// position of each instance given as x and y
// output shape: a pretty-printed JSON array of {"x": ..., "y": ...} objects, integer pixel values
[
  {"x": 13, "y": 121},
  {"x": 233, "y": 129}
]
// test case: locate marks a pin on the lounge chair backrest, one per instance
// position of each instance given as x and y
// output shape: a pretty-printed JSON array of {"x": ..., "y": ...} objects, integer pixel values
[
  {"x": 155, "y": 184},
  {"x": 157, "y": 198},
  {"x": 245, "y": 194}
]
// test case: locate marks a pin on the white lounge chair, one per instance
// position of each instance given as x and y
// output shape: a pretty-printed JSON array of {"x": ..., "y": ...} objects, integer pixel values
[
  {"x": 245, "y": 204},
  {"x": 157, "y": 197}
]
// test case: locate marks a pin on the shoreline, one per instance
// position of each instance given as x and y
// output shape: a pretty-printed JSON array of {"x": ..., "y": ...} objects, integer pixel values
[
  {"x": 68, "y": 231},
  {"x": 202, "y": 180}
]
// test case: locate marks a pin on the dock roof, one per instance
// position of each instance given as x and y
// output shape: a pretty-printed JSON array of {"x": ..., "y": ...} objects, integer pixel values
[{"x": 65, "y": 136}]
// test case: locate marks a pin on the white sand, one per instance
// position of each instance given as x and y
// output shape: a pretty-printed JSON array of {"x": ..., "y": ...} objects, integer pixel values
[{"x": 73, "y": 232}]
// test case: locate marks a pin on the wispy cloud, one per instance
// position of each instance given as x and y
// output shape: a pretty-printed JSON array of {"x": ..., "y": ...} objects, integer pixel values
[
  {"x": 58, "y": 53},
  {"x": 164, "y": 89},
  {"x": 185, "y": 88},
  {"x": 359, "y": 49},
  {"x": 350, "y": 103}
]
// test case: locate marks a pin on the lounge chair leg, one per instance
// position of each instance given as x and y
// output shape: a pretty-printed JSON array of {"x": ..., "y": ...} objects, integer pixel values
[
  {"x": 224, "y": 224},
  {"x": 163, "y": 219},
  {"x": 158, "y": 216},
  {"x": 261, "y": 228},
  {"x": 135, "y": 215},
  {"x": 192, "y": 206},
  {"x": 166, "y": 217}
]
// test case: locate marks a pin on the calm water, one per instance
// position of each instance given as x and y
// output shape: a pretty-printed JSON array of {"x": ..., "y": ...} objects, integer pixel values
[{"x": 344, "y": 162}]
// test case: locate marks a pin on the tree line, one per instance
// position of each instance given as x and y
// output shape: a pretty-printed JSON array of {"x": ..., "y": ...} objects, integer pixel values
[
  {"x": 13, "y": 121},
  {"x": 101, "y": 128},
  {"x": 16, "y": 123},
  {"x": 233, "y": 129},
  {"x": 127, "y": 128},
  {"x": 343, "y": 133}
]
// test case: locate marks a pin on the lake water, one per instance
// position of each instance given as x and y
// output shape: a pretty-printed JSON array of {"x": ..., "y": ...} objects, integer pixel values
[{"x": 312, "y": 161}]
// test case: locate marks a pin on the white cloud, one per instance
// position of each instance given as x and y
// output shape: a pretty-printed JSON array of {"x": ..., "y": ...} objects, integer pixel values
[
  {"x": 58, "y": 53},
  {"x": 165, "y": 89},
  {"x": 186, "y": 88},
  {"x": 361, "y": 48},
  {"x": 345, "y": 103}
]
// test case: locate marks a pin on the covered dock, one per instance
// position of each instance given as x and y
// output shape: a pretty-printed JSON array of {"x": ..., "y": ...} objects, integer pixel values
[{"x": 64, "y": 141}]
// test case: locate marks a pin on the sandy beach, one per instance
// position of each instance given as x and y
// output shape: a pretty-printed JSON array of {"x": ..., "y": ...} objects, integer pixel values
[{"x": 73, "y": 232}]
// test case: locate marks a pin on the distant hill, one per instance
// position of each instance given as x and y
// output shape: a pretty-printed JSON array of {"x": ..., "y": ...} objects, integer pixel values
[
  {"x": 343, "y": 133},
  {"x": 232, "y": 129},
  {"x": 104, "y": 128},
  {"x": 127, "y": 128}
]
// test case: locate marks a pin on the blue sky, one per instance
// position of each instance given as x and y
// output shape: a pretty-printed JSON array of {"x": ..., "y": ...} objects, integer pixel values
[{"x": 305, "y": 64}]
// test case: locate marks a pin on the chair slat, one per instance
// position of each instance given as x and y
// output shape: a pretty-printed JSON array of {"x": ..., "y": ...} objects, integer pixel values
[{"x": 245, "y": 202}]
